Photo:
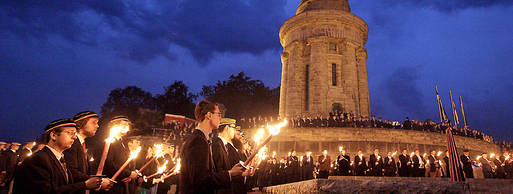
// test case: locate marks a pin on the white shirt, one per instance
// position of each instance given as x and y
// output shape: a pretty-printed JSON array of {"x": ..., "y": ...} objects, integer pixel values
[
  {"x": 80, "y": 138},
  {"x": 57, "y": 154}
]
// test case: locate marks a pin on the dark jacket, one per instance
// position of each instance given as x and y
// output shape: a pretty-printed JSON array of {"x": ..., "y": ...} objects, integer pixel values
[
  {"x": 234, "y": 157},
  {"x": 43, "y": 173},
  {"x": 76, "y": 161},
  {"x": 221, "y": 160},
  {"x": 11, "y": 161},
  {"x": 118, "y": 155},
  {"x": 360, "y": 165},
  {"x": 23, "y": 153},
  {"x": 197, "y": 172}
]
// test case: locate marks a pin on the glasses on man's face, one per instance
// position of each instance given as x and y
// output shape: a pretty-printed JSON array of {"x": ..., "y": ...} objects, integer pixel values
[
  {"x": 218, "y": 113},
  {"x": 71, "y": 133}
]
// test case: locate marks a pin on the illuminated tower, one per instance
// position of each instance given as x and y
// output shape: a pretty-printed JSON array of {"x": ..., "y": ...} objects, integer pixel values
[{"x": 324, "y": 60}]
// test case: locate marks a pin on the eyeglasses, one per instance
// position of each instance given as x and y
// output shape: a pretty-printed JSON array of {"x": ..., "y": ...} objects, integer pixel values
[
  {"x": 218, "y": 113},
  {"x": 71, "y": 133}
]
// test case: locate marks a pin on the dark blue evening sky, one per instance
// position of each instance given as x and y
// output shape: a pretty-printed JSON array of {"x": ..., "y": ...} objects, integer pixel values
[{"x": 58, "y": 58}]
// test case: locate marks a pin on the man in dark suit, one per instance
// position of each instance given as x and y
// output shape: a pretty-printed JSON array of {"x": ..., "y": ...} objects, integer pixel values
[
  {"x": 360, "y": 164},
  {"x": 26, "y": 151},
  {"x": 376, "y": 163},
  {"x": 198, "y": 173},
  {"x": 3, "y": 173},
  {"x": 434, "y": 165},
  {"x": 389, "y": 165},
  {"x": 11, "y": 162},
  {"x": 76, "y": 157},
  {"x": 45, "y": 171},
  {"x": 418, "y": 165},
  {"x": 308, "y": 166},
  {"x": 486, "y": 165},
  {"x": 324, "y": 161},
  {"x": 118, "y": 154},
  {"x": 221, "y": 151},
  {"x": 467, "y": 164},
  {"x": 445, "y": 168},
  {"x": 293, "y": 167},
  {"x": 404, "y": 163},
  {"x": 344, "y": 163}
]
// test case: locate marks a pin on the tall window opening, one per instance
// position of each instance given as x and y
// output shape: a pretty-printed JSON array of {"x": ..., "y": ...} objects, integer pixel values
[
  {"x": 334, "y": 74},
  {"x": 307, "y": 69},
  {"x": 333, "y": 46}
]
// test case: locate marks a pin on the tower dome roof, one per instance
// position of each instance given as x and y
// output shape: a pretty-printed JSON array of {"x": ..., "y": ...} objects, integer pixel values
[{"x": 308, "y": 5}]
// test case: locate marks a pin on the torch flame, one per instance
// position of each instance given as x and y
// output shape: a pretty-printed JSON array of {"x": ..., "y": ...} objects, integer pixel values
[
  {"x": 162, "y": 168},
  {"x": 439, "y": 153},
  {"x": 178, "y": 165},
  {"x": 412, "y": 153},
  {"x": 274, "y": 154},
  {"x": 507, "y": 157},
  {"x": 258, "y": 136},
  {"x": 340, "y": 148},
  {"x": 134, "y": 154},
  {"x": 424, "y": 155},
  {"x": 492, "y": 155},
  {"x": 478, "y": 157},
  {"x": 393, "y": 154},
  {"x": 158, "y": 151},
  {"x": 262, "y": 153},
  {"x": 116, "y": 132},
  {"x": 275, "y": 129},
  {"x": 91, "y": 159},
  {"x": 29, "y": 154}
]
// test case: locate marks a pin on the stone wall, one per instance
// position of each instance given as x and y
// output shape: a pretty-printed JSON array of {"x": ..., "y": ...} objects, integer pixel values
[
  {"x": 357, "y": 184},
  {"x": 367, "y": 139}
]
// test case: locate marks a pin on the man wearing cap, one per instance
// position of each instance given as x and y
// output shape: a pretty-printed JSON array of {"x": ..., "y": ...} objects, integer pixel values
[
  {"x": 26, "y": 151},
  {"x": 467, "y": 164},
  {"x": 220, "y": 149},
  {"x": 117, "y": 156},
  {"x": 46, "y": 171},
  {"x": 3, "y": 173},
  {"x": 11, "y": 161},
  {"x": 198, "y": 173},
  {"x": 76, "y": 156}
]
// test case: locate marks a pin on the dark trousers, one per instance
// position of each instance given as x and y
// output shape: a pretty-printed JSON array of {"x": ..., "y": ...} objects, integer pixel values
[{"x": 324, "y": 174}]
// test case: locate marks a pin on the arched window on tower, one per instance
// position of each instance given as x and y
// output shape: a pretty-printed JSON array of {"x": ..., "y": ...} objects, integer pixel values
[
  {"x": 334, "y": 74},
  {"x": 307, "y": 69}
]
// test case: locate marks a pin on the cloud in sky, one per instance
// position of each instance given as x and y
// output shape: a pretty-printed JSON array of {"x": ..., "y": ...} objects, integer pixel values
[
  {"x": 61, "y": 58},
  {"x": 144, "y": 30}
]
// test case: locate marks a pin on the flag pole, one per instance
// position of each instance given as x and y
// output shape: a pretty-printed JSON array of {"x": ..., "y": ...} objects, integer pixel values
[
  {"x": 463, "y": 113},
  {"x": 454, "y": 112}
]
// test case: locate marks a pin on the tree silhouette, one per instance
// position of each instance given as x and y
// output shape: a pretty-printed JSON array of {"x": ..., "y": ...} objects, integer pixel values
[
  {"x": 243, "y": 97},
  {"x": 177, "y": 100}
]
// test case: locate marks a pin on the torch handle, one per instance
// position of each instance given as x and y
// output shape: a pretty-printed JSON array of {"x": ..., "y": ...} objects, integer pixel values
[
  {"x": 120, "y": 169},
  {"x": 260, "y": 146},
  {"x": 103, "y": 158},
  {"x": 147, "y": 164}
]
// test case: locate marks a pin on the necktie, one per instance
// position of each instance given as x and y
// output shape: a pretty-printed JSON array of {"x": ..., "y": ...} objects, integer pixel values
[
  {"x": 84, "y": 148},
  {"x": 63, "y": 164}
]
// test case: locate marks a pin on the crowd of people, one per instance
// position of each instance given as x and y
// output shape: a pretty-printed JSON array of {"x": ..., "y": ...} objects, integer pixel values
[
  {"x": 210, "y": 156},
  {"x": 292, "y": 168},
  {"x": 339, "y": 119},
  {"x": 62, "y": 162}
]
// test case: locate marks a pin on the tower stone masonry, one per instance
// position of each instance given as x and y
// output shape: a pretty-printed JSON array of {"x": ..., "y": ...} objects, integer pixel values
[{"x": 324, "y": 61}]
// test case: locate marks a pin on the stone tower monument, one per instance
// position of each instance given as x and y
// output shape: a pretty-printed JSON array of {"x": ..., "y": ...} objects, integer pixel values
[{"x": 324, "y": 60}]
